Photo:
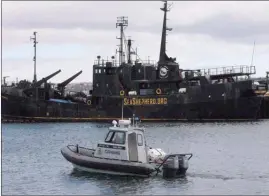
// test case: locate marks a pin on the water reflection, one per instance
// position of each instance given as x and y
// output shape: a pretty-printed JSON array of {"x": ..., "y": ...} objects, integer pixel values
[{"x": 112, "y": 183}]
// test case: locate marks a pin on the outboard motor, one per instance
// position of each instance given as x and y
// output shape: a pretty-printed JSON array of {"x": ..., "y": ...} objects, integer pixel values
[
  {"x": 183, "y": 165},
  {"x": 170, "y": 167}
]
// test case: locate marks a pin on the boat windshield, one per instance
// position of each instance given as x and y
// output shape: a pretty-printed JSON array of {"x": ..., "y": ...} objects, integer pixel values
[{"x": 115, "y": 137}]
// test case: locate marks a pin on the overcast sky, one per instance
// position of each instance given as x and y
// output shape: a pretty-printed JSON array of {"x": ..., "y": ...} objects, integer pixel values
[{"x": 71, "y": 34}]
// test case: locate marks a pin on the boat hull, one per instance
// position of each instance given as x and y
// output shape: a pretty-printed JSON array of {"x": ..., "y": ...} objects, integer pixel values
[
  {"x": 91, "y": 170},
  {"x": 26, "y": 110},
  {"x": 84, "y": 160}
]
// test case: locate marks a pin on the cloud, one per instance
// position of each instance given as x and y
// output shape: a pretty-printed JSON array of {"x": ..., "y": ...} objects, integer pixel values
[
  {"x": 72, "y": 15},
  {"x": 71, "y": 34},
  {"x": 227, "y": 20},
  {"x": 229, "y": 28},
  {"x": 23, "y": 69}
]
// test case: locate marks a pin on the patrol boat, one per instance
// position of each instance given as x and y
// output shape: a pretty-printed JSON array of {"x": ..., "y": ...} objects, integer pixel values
[{"x": 125, "y": 152}]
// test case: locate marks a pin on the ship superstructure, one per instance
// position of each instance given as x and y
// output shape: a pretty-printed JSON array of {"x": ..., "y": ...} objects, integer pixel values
[{"x": 152, "y": 91}]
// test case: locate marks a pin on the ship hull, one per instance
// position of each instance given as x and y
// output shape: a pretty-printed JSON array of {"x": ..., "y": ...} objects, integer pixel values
[
  {"x": 265, "y": 108},
  {"x": 25, "y": 110},
  {"x": 234, "y": 109}
]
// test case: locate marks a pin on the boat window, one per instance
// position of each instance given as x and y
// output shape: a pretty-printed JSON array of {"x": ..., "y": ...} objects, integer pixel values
[
  {"x": 119, "y": 138},
  {"x": 139, "y": 140},
  {"x": 109, "y": 136},
  {"x": 116, "y": 137}
]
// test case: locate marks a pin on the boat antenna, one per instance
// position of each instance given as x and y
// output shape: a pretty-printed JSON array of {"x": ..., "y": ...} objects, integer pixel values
[
  {"x": 122, "y": 22},
  {"x": 252, "y": 54},
  {"x": 34, "y": 59},
  {"x": 133, "y": 120}
]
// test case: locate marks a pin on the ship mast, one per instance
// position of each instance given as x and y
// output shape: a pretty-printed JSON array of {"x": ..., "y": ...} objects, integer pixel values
[
  {"x": 163, "y": 55},
  {"x": 121, "y": 22},
  {"x": 34, "y": 59}
]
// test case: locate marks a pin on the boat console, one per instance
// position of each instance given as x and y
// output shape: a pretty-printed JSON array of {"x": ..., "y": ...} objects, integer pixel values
[{"x": 123, "y": 142}]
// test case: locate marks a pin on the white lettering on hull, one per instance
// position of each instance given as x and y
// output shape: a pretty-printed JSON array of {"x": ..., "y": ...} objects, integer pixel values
[{"x": 112, "y": 152}]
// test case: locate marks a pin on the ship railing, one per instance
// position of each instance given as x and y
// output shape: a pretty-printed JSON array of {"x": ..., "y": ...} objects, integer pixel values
[
  {"x": 114, "y": 63},
  {"x": 229, "y": 70},
  {"x": 148, "y": 62},
  {"x": 104, "y": 63}
]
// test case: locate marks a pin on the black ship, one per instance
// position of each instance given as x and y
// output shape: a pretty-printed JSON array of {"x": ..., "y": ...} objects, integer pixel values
[
  {"x": 155, "y": 92},
  {"x": 261, "y": 87}
]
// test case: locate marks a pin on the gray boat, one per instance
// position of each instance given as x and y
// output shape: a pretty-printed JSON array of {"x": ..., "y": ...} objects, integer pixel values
[{"x": 124, "y": 152}]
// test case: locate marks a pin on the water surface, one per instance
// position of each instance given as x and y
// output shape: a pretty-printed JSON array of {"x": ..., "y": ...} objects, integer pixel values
[{"x": 229, "y": 158}]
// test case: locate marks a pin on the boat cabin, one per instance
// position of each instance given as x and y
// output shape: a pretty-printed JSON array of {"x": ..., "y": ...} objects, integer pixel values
[{"x": 123, "y": 142}]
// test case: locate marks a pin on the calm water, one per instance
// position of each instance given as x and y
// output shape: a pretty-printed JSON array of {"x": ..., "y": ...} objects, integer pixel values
[{"x": 229, "y": 158}]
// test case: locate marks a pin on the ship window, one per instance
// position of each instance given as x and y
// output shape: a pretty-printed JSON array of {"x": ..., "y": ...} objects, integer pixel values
[
  {"x": 99, "y": 70},
  {"x": 117, "y": 137},
  {"x": 96, "y": 70},
  {"x": 139, "y": 140},
  {"x": 139, "y": 70}
]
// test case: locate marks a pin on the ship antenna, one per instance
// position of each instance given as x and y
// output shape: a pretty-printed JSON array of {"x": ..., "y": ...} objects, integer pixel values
[
  {"x": 252, "y": 54},
  {"x": 34, "y": 59},
  {"x": 121, "y": 22},
  {"x": 163, "y": 55}
]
